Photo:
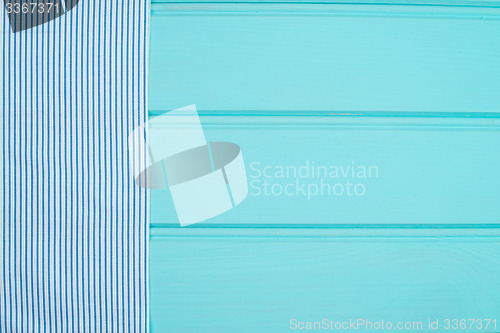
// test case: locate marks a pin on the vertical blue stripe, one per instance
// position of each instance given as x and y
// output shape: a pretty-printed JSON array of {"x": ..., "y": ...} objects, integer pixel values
[
  {"x": 134, "y": 199},
  {"x": 87, "y": 131},
  {"x": 128, "y": 219},
  {"x": 104, "y": 185},
  {"x": 80, "y": 13},
  {"x": 70, "y": 114},
  {"x": 24, "y": 217},
  {"x": 60, "y": 137},
  {"x": 64, "y": 114},
  {"x": 46, "y": 308},
  {"x": 23, "y": 196},
  {"x": 3, "y": 322},
  {"x": 32, "y": 172},
  {"x": 99, "y": 184},
  {"x": 14, "y": 192},
  {"x": 58, "y": 322},
  {"x": 92, "y": 113}
]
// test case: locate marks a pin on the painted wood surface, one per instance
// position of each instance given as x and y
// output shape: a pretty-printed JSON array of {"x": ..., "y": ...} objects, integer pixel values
[
  {"x": 469, "y": 3},
  {"x": 216, "y": 281},
  {"x": 401, "y": 170},
  {"x": 320, "y": 57},
  {"x": 409, "y": 88}
]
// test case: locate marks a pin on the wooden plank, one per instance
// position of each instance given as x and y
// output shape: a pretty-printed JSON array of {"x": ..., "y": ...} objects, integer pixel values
[
  {"x": 417, "y": 170},
  {"x": 320, "y": 57},
  {"x": 247, "y": 284},
  {"x": 472, "y": 3}
]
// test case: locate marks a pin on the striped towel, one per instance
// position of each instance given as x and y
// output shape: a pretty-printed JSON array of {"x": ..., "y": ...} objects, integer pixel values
[{"x": 73, "y": 230}]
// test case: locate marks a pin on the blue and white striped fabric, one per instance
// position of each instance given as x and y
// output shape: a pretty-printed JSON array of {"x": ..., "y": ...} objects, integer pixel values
[{"x": 73, "y": 236}]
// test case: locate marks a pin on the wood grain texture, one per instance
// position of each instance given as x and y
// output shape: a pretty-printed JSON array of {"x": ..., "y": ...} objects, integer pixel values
[
  {"x": 320, "y": 57},
  {"x": 471, "y": 3},
  {"x": 253, "y": 284},
  {"x": 429, "y": 170},
  {"x": 409, "y": 88}
]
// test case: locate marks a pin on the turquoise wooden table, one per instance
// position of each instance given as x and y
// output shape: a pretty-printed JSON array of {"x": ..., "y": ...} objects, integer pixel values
[{"x": 370, "y": 135}]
